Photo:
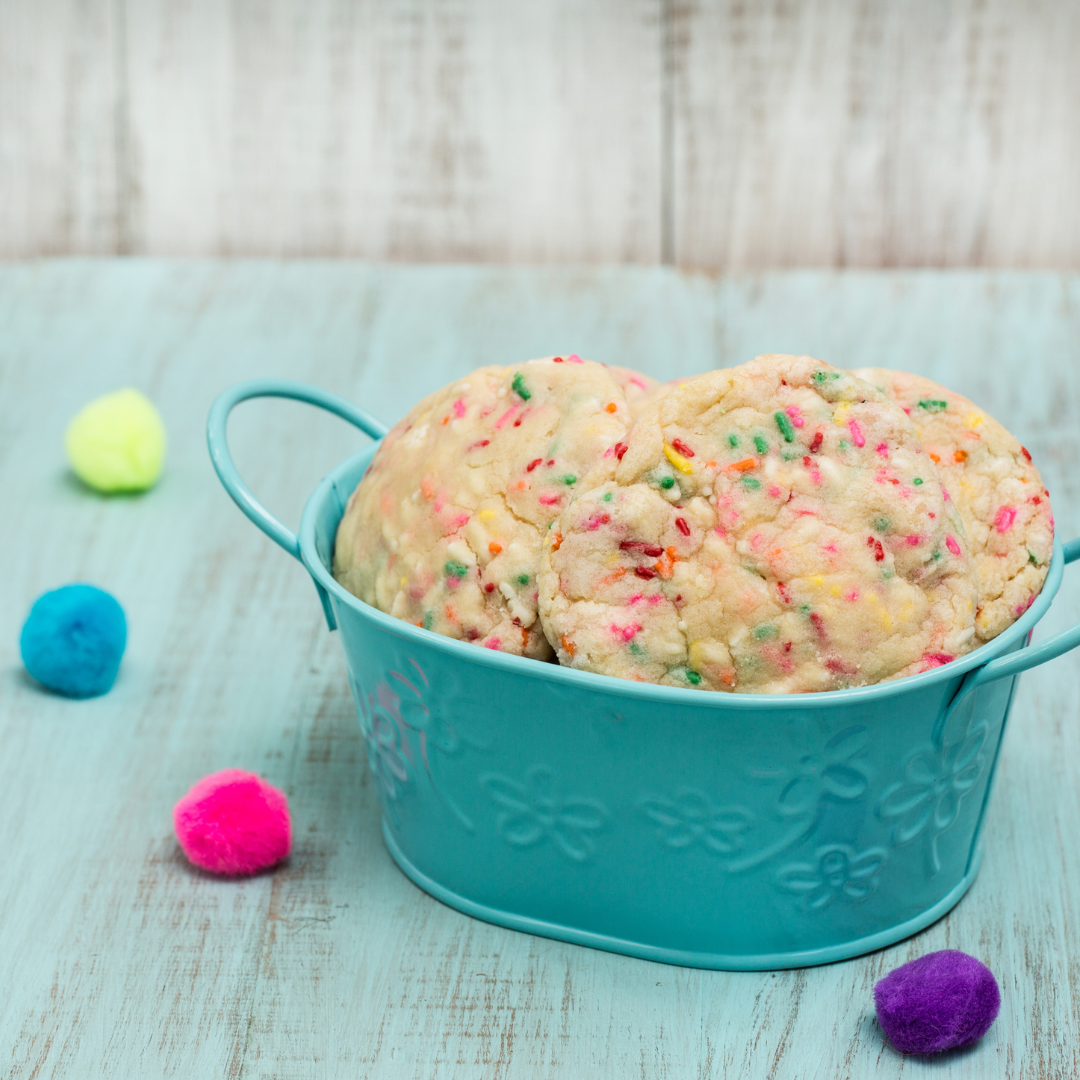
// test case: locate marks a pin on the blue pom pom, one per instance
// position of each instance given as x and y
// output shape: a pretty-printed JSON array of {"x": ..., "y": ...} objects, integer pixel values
[{"x": 73, "y": 639}]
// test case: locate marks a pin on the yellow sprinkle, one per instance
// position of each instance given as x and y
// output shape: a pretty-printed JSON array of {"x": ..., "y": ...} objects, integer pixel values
[
  {"x": 836, "y": 590},
  {"x": 486, "y": 515},
  {"x": 886, "y": 621},
  {"x": 974, "y": 420},
  {"x": 840, "y": 416},
  {"x": 817, "y": 581},
  {"x": 404, "y": 582},
  {"x": 677, "y": 460}
]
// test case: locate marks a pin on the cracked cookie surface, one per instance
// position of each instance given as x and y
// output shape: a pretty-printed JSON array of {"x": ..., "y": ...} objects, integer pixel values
[
  {"x": 770, "y": 528},
  {"x": 446, "y": 528},
  {"x": 997, "y": 490}
]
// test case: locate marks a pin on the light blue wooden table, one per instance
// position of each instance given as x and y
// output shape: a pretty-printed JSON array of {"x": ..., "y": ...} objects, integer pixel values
[{"x": 117, "y": 959}]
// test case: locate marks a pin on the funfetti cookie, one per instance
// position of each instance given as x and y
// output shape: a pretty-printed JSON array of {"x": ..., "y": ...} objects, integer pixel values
[
  {"x": 638, "y": 389},
  {"x": 997, "y": 489},
  {"x": 771, "y": 528},
  {"x": 445, "y": 529}
]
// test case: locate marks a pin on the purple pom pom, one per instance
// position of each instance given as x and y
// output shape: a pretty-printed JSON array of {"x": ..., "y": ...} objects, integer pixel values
[{"x": 940, "y": 1001}]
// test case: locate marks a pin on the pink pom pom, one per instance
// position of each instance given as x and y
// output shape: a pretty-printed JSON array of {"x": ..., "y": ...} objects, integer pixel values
[{"x": 233, "y": 822}]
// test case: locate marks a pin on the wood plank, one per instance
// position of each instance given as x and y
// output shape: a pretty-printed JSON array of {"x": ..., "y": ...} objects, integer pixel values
[
  {"x": 61, "y": 128},
  {"x": 126, "y": 962},
  {"x": 837, "y": 134},
  {"x": 465, "y": 130}
]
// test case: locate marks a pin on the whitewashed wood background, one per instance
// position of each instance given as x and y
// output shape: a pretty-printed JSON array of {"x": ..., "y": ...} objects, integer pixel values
[{"x": 731, "y": 135}]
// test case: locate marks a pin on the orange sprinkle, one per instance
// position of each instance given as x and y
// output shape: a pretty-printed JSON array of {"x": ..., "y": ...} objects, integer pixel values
[
  {"x": 665, "y": 566},
  {"x": 710, "y": 464},
  {"x": 960, "y": 455},
  {"x": 728, "y": 678},
  {"x": 445, "y": 420},
  {"x": 610, "y": 407},
  {"x": 521, "y": 485},
  {"x": 450, "y": 613},
  {"x": 524, "y": 637},
  {"x": 494, "y": 548},
  {"x": 428, "y": 488},
  {"x": 568, "y": 645},
  {"x": 612, "y": 577},
  {"x": 934, "y": 458},
  {"x": 556, "y": 542},
  {"x": 744, "y": 465}
]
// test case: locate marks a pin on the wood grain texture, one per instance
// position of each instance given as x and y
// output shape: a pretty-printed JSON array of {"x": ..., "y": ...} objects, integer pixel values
[
  {"x": 118, "y": 959},
  {"x": 719, "y": 135}
]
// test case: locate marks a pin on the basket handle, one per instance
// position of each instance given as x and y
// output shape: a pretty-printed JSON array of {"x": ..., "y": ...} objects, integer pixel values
[
  {"x": 1030, "y": 657},
  {"x": 218, "y": 442}
]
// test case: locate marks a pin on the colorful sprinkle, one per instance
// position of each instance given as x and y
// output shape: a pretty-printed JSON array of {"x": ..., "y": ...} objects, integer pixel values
[
  {"x": 620, "y": 449},
  {"x": 569, "y": 478},
  {"x": 459, "y": 408},
  {"x": 681, "y": 525},
  {"x": 519, "y": 387},
  {"x": 667, "y": 483},
  {"x": 765, "y": 632},
  {"x": 856, "y": 432},
  {"x": 796, "y": 416},
  {"x": 683, "y": 449},
  {"x": 959, "y": 456},
  {"x": 1032, "y": 559},
  {"x": 917, "y": 481},
  {"x": 760, "y": 445},
  {"x": 568, "y": 645},
  {"x": 879, "y": 551},
  {"x": 1026, "y": 454},
  {"x": 933, "y": 405},
  {"x": 750, "y": 483},
  {"x": 952, "y": 545},
  {"x": 494, "y": 548},
  {"x": 1004, "y": 518},
  {"x": 610, "y": 407},
  {"x": 532, "y": 464},
  {"x": 745, "y": 465},
  {"x": 815, "y": 444},
  {"x": 692, "y": 677},
  {"x": 455, "y": 569},
  {"x": 733, "y": 441},
  {"x": 677, "y": 459},
  {"x": 523, "y": 579}
]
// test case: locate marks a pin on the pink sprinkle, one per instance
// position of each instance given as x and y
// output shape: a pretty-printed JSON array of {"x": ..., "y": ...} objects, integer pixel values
[
  {"x": 625, "y": 632},
  {"x": 492, "y": 643},
  {"x": 596, "y": 521},
  {"x": 1021, "y": 608},
  {"x": 952, "y": 545},
  {"x": 756, "y": 541},
  {"x": 796, "y": 417},
  {"x": 459, "y": 408},
  {"x": 945, "y": 493},
  {"x": 638, "y": 383},
  {"x": 774, "y": 492},
  {"x": 505, "y": 416},
  {"x": 907, "y": 409},
  {"x": 852, "y": 595},
  {"x": 573, "y": 358},
  {"x": 831, "y": 547},
  {"x": 914, "y": 540},
  {"x": 856, "y": 432},
  {"x": 549, "y": 500},
  {"x": 461, "y": 519},
  {"x": 882, "y": 449},
  {"x": 1004, "y": 518},
  {"x": 937, "y": 659}
]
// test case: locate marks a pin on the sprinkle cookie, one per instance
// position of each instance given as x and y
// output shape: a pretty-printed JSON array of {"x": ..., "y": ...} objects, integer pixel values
[
  {"x": 638, "y": 389},
  {"x": 770, "y": 528},
  {"x": 446, "y": 528},
  {"x": 998, "y": 491}
]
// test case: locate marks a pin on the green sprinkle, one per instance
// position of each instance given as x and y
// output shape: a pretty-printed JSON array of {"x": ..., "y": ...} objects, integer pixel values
[
  {"x": 1032, "y": 559},
  {"x": 819, "y": 376},
  {"x": 886, "y": 574},
  {"x": 692, "y": 677},
  {"x": 733, "y": 441},
  {"x": 667, "y": 483},
  {"x": 569, "y": 478},
  {"x": 550, "y": 523},
  {"x": 607, "y": 497},
  {"x": 636, "y": 649},
  {"x": 917, "y": 481},
  {"x": 455, "y": 569},
  {"x": 750, "y": 483},
  {"x": 933, "y": 405},
  {"x": 519, "y": 387},
  {"x": 881, "y": 524},
  {"x": 844, "y": 444},
  {"x": 751, "y": 569},
  {"x": 804, "y": 608},
  {"x": 765, "y": 632},
  {"x": 936, "y": 556},
  {"x": 523, "y": 579},
  {"x": 783, "y": 422},
  {"x": 760, "y": 445},
  {"x": 429, "y": 619}
]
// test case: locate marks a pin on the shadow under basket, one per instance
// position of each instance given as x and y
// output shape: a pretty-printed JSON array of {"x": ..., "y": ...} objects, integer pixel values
[{"x": 729, "y": 831}]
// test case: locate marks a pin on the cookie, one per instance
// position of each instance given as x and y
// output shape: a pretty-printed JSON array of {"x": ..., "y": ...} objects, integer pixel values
[
  {"x": 445, "y": 529},
  {"x": 771, "y": 528},
  {"x": 998, "y": 491}
]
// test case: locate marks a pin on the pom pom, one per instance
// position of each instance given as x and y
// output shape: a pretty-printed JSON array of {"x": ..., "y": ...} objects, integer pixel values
[
  {"x": 233, "y": 822},
  {"x": 73, "y": 639},
  {"x": 940, "y": 1001},
  {"x": 117, "y": 443}
]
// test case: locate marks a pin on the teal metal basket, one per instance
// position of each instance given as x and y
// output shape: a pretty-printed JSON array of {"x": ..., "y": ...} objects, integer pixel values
[{"x": 735, "y": 831}]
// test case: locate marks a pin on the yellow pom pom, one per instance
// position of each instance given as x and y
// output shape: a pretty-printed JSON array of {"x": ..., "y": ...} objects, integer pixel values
[{"x": 117, "y": 443}]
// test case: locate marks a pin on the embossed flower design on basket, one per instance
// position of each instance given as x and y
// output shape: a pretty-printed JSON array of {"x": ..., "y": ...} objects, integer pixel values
[
  {"x": 691, "y": 817},
  {"x": 382, "y": 734},
  {"x": 532, "y": 812},
  {"x": 936, "y": 780},
  {"x": 838, "y": 871},
  {"x": 817, "y": 771}
]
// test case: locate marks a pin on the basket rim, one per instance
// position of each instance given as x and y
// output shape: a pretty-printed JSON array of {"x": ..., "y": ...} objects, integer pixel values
[{"x": 334, "y": 481}]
